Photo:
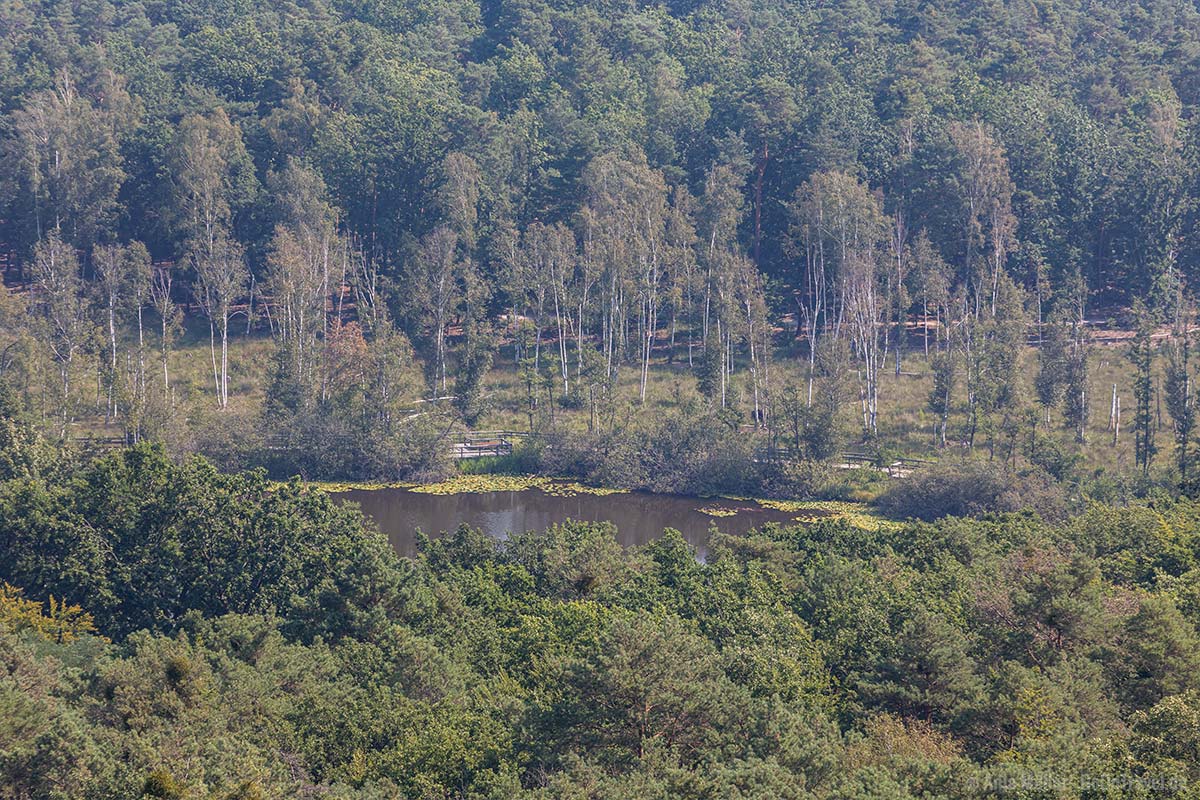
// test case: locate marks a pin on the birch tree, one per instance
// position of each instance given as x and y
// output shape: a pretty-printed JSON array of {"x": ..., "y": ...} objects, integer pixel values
[
  {"x": 122, "y": 277},
  {"x": 162, "y": 281},
  {"x": 110, "y": 280},
  {"x": 1178, "y": 390},
  {"x": 723, "y": 265},
  {"x": 626, "y": 232},
  {"x": 64, "y": 307},
  {"x": 992, "y": 346},
  {"x": 865, "y": 313},
  {"x": 1141, "y": 355},
  {"x": 389, "y": 353},
  {"x": 213, "y": 176},
  {"x": 1076, "y": 405},
  {"x": 757, "y": 335},
  {"x": 897, "y": 283},
  {"x": 297, "y": 275},
  {"x": 836, "y": 221},
  {"x": 720, "y": 212},
  {"x": 682, "y": 268},
  {"x": 435, "y": 293},
  {"x": 221, "y": 278},
  {"x": 941, "y": 396},
  {"x": 546, "y": 275},
  {"x": 528, "y": 284},
  {"x": 984, "y": 189},
  {"x": 67, "y": 156},
  {"x": 304, "y": 263},
  {"x": 459, "y": 199},
  {"x": 934, "y": 279}
]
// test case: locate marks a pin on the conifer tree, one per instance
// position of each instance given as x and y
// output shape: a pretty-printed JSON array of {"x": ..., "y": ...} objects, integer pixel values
[{"x": 1141, "y": 355}]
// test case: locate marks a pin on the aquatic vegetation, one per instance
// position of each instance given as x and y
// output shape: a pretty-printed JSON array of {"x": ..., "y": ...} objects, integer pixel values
[
  {"x": 470, "y": 484},
  {"x": 338, "y": 487},
  {"x": 719, "y": 511},
  {"x": 858, "y": 515},
  {"x": 572, "y": 488},
  {"x": 467, "y": 484}
]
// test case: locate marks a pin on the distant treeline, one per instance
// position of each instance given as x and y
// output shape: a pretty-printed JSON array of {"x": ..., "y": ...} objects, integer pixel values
[
  {"x": 624, "y": 182},
  {"x": 1055, "y": 137}
]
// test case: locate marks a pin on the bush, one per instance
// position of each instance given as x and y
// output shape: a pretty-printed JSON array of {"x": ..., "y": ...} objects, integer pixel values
[
  {"x": 140, "y": 541},
  {"x": 684, "y": 453},
  {"x": 317, "y": 445},
  {"x": 971, "y": 488}
]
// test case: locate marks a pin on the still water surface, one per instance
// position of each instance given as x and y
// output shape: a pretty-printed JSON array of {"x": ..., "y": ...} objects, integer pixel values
[{"x": 640, "y": 517}]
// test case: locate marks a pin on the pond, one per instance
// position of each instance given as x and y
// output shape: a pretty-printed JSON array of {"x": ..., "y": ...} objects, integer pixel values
[{"x": 640, "y": 517}]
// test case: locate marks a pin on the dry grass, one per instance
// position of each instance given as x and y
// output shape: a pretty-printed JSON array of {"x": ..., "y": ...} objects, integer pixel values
[{"x": 906, "y": 426}]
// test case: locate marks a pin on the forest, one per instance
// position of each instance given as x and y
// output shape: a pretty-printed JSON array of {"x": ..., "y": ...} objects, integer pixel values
[
  {"x": 171, "y": 631},
  {"x": 936, "y": 261},
  {"x": 321, "y": 237}
]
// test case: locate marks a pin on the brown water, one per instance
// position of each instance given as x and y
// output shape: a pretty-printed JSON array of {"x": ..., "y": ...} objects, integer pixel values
[{"x": 640, "y": 517}]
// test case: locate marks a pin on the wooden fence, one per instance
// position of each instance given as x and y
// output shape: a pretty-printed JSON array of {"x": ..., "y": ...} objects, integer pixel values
[{"x": 847, "y": 459}]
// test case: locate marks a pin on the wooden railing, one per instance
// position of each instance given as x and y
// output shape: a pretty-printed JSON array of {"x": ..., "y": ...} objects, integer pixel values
[
  {"x": 896, "y": 468},
  {"x": 847, "y": 459},
  {"x": 481, "y": 444}
]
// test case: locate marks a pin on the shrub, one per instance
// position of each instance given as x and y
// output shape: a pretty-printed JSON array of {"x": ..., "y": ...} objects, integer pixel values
[{"x": 973, "y": 488}]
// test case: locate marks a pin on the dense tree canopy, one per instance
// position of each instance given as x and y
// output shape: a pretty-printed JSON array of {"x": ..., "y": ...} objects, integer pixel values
[
  {"x": 773, "y": 200},
  {"x": 263, "y": 642},
  {"x": 1056, "y": 133},
  {"x": 404, "y": 196}
]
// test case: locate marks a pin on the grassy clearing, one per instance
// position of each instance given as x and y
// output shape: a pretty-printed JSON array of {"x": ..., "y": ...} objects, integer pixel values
[{"x": 906, "y": 426}]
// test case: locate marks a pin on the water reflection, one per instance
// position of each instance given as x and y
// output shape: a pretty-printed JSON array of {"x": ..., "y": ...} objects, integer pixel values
[{"x": 640, "y": 517}]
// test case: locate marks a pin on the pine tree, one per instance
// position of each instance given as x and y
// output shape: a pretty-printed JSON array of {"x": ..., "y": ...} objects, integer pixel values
[
  {"x": 1141, "y": 354},
  {"x": 944, "y": 377},
  {"x": 1177, "y": 388},
  {"x": 1053, "y": 358}
]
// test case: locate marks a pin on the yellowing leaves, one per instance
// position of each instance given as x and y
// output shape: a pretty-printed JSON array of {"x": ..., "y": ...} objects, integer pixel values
[{"x": 55, "y": 621}]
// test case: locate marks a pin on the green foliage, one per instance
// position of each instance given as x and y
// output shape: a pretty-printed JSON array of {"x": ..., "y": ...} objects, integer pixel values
[
  {"x": 968, "y": 488},
  {"x": 708, "y": 372},
  {"x": 1141, "y": 354},
  {"x": 140, "y": 541},
  {"x": 23, "y": 451},
  {"x": 1156, "y": 654},
  {"x": 627, "y": 183},
  {"x": 941, "y": 396},
  {"x": 822, "y": 660}
]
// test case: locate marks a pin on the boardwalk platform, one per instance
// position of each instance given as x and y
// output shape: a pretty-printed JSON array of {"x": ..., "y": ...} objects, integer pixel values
[{"x": 484, "y": 444}]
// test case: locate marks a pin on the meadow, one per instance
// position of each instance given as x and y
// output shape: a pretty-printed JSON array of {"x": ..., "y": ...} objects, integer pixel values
[{"x": 906, "y": 426}]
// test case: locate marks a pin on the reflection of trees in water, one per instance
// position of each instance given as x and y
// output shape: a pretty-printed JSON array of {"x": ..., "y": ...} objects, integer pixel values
[{"x": 639, "y": 517}]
